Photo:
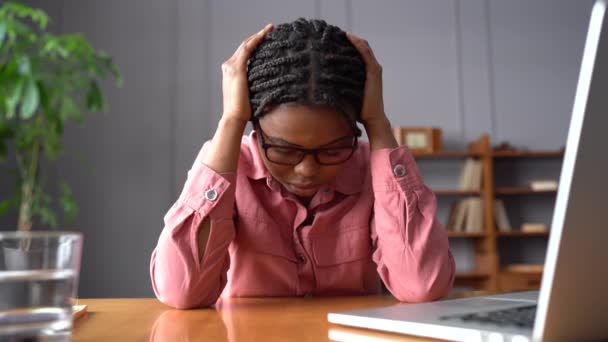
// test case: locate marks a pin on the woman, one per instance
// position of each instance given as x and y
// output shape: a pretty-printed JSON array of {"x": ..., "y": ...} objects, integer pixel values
[{"x": 301, "y": 206}]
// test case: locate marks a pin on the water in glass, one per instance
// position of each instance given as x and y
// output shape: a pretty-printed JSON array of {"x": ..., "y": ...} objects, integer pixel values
[{"x": 37, "y": 289}]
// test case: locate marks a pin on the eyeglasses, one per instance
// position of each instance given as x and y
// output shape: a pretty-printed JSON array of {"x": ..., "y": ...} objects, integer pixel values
[{"x": 288, "y": 155}]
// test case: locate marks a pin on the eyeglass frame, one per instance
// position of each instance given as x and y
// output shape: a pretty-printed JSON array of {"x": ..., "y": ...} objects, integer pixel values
[{"x": 305, "y": 151}]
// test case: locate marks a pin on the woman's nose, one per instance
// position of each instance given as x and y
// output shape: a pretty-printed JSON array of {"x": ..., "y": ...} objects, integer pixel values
[{"x": 308, "y": 167}]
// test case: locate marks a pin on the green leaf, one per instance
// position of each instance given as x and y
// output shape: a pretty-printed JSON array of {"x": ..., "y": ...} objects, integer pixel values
[
  {"x": 2, "y": 32},
  {"x": 6, "y": 205},
  {"x": 52, "y": 47},
  {"x": 31, "y": 100},
  {"x": 41, "y": 206},
  {"x": 95, "y": 101},
  {"x": 47, "y": 216},
  {"x": 45, "y": 102},
  {"x": 115, "y": 72},
  {"x": 9, "y": 72},
  {"x": 24, "y": 65},
  {"x": 13, "y": 98},
  {"x": 38, "y": 16},
  {"x": 6, "y": 131},
  {"x": 25, "y": 136},
  {"x": 69, "y": 110},
  {"x": 41, "y": 18},
  {"x": 51, "y": 141}
]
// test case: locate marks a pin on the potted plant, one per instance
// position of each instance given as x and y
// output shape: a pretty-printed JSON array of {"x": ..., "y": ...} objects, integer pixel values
[{"x": 46, "y": 80}]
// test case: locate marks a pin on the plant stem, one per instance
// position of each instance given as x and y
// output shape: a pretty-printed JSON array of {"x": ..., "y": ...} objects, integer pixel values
[
  {"x": 25, "y": 209},
  {"x": 27, "y": 189}
]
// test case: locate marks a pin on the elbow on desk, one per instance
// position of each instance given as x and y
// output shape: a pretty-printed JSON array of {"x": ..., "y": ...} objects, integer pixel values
[
  {"x": 426, "y": 290},
  {"x": 185, "y": 301},
  {"x": 418, "y": 295},
  {"x": 182, "y": 297},
  {"x": 180, "y": 294}
]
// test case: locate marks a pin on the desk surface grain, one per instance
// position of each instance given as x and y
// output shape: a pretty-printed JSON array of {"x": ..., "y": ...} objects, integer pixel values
[{"x": 232, "y": 319}]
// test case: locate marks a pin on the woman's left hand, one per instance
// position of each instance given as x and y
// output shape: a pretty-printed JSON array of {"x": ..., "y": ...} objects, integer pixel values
[
  {"x": 373, "y": 105},
  {"x": 373, "y": 117}
]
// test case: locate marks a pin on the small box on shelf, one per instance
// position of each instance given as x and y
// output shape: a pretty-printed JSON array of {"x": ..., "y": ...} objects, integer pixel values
[
  {"x": 420, "y": 140},
  {"x": 533, "y": 227},
  {"x": 524, "y": 268},
  {"x": 543, "y": 185}
]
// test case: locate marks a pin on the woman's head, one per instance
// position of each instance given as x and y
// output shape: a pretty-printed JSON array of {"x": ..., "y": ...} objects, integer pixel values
[
  {"x": 304, "y": 147},
  {"x": 307, "y": 62},
  {"x": 306, "y": 83}
]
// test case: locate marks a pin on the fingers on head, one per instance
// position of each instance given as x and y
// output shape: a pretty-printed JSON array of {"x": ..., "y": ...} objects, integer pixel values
[
  {"x": 364, "y": 49},
  {"x": 361, "y": 44},
  {"x": 243, "y": 52},
  {"x": 249, "y": 44}
]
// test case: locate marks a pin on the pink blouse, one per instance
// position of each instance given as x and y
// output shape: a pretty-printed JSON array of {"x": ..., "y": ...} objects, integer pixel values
[{"x": 375, "y": 220}]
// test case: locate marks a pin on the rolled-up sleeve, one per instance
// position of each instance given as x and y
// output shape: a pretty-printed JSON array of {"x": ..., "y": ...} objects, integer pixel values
[
  {"x": 179, "y": 278},
  {"x": 412, "y": 253}
]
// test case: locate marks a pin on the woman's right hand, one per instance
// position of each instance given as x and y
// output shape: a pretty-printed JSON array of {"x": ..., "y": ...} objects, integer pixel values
[{"x": 235, "y": 87}]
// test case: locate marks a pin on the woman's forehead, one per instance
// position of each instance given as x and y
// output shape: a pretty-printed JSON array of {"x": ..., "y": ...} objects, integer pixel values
[{"x": 305, "y": 126}]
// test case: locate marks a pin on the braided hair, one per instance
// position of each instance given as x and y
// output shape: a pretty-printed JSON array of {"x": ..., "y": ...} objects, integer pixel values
[{"x": 307, "y": 62}]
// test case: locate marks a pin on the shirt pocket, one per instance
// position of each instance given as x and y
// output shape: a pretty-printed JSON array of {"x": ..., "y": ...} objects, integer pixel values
[
  {"x": 348, "y": 245},
  {"x": 259, "y": 236}
]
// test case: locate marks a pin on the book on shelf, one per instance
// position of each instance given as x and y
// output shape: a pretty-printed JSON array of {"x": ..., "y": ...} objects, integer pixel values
[
  {"x": 477, "y": 175},
  {"x": 451, "y": 221},
  {"x": 543, "y": 184},
  {"x": 500, "y": 216},
  {"x": 470, "y": 176},
  {"x": 461, "y": 211},
  {"x": 474, "y": 220},
  {"x": 464, "y": 173},
  {"x": 466, "y": 215}
]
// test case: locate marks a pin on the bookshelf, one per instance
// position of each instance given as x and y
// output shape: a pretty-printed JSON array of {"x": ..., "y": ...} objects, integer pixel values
[
  {"x": 514, "y": 171},
  {"x": 489, "y": 269},
  {"x": 482, "y": 273}
]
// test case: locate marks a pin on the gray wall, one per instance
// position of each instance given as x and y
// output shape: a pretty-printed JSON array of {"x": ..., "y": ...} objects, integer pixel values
[{"x": 508, "y": 68}]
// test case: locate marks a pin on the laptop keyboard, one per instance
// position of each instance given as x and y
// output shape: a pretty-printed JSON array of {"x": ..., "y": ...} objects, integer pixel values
[{"x": 521, "y": 317}]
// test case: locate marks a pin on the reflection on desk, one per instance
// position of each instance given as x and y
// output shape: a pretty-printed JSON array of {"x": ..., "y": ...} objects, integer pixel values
[
  {"x": 258, "y": 319},
  {"x": 186, "y": 325},
  {"x": 232, "y": 319}
]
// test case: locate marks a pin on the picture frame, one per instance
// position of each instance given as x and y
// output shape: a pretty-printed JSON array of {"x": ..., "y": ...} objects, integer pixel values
[{"x": 420, "y": 140}]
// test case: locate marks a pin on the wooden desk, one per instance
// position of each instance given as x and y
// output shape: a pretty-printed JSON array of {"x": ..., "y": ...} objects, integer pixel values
[{"x": 234, "y": 319}]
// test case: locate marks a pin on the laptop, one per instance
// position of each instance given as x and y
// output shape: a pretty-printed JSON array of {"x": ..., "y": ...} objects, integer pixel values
[{"x": 572, "y": 303}]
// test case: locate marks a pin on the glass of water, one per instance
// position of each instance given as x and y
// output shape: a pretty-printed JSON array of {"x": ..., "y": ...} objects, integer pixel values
[{"x": 38, "y": 284}]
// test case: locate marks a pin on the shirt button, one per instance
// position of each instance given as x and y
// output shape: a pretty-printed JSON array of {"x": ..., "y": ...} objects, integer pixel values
[
  {"x": 211, "y": 194},
  {"x": 301, "y": 259},
  {"x": 399, "y": 170}
]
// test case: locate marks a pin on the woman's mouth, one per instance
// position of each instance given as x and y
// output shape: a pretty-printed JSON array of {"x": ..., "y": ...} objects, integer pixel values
[{"x": 303, "y": 189}]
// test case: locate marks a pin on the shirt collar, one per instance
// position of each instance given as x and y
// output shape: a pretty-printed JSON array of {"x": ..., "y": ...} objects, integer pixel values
[{"x": 349, "y": 181}]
